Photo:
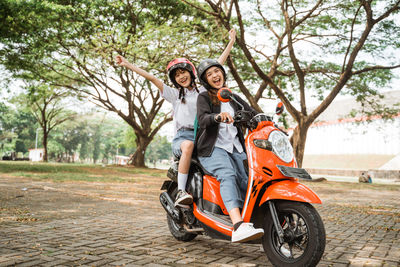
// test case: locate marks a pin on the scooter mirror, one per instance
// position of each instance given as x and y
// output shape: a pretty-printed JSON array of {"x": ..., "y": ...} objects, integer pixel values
[
  {"x": 224, "y": 94},
  {"x": 279, "y": 108}
]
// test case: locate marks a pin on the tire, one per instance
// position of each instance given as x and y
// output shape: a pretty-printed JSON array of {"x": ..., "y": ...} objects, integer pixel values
[
  {"x": 304, "y": 235},
  {"x": 177, "y": 230}
]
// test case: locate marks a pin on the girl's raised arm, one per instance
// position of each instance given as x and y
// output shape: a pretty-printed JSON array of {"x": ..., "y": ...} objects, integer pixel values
[
  {"x": 225, "y": 54},
  {"x": 148, "y": 76}
]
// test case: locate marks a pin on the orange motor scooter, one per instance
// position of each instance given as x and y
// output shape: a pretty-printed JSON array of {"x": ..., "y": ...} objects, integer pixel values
[{"x": 294, "y": 234}]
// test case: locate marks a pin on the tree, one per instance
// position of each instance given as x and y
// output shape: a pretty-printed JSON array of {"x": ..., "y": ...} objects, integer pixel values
[
  {"x": 160, "y": 148},
  {"x": 88, "y": 134},
  {"x": 300, "y": 49},
  {"x": 47, "y": 104},
  {"x": 6, "y": 133},
  {"x": 70, "y": 137},
  {"x": 79, "y": 40},
  {"x": 128, "y": 144},
  {"x": 17, "y": 127}
]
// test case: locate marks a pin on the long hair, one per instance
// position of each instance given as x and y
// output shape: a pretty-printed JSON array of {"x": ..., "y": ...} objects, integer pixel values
[{"x": 213, "y": 97}]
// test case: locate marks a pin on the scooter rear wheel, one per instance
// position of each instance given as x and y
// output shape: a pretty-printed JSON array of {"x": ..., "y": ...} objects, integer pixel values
[
  {"x": 177, "y": 230},
  {"x": 304, "y": 235}
]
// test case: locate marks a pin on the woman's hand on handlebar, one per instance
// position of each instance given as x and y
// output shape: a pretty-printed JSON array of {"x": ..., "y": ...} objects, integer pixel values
[{"x": 224, "y": 117}]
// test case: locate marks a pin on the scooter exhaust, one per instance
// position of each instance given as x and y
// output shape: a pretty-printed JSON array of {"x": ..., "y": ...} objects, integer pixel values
[{"x": 168, "y": 205}]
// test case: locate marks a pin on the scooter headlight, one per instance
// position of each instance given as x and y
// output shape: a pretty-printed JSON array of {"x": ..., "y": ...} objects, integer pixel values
[{"x": 281, "y": 146}]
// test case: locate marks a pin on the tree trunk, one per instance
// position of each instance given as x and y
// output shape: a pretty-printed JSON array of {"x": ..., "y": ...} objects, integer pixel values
[
  {"x": 45, "y": 145},
  {"x": 298, "y": 141},
  {"x": 138, "y": 158}
]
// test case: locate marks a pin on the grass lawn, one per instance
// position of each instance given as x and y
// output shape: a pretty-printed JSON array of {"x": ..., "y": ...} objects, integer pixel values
[
  {"x": 71, "y": 172},
  {"x": 60, "y": 172}
]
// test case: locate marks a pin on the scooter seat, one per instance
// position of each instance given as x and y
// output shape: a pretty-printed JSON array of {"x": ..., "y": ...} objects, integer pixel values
[{"x": 196, "y": 162}]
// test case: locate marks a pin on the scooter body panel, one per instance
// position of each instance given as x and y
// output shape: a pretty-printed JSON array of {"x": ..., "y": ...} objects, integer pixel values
[
  {"x": 211, "y": 192},
  {"x": 265, "y": 161},
  {"x": 262, "y": 168},
  {"x": 210, "y": 222},
  {"x": 290, "y": 190}
]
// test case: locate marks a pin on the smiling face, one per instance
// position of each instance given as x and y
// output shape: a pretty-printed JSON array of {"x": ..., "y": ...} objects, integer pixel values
[
  {"x": 183, "y": 78},
  {"x": 215, "y": 77}
]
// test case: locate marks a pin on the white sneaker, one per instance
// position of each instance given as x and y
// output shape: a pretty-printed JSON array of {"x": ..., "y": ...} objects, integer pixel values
[
  {"x": 246, "y": 232},
  {"x": 183, "y": 199}
]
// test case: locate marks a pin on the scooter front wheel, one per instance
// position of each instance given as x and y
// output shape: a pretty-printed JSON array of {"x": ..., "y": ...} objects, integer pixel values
[{"x": 304, "y": 235}]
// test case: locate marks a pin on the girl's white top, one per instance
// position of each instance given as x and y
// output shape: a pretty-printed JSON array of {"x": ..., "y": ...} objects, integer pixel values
[
  {"x": 227, "y": 135},
  {"x": 183, "y": 114}
]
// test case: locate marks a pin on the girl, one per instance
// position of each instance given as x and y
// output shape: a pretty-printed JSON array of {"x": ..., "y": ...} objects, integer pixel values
[
  {"x": 182, "y": 74},
  {"x": 220, "y": 146}
]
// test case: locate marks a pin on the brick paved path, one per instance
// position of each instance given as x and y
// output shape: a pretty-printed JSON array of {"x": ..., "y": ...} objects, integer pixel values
[{"x": 69, "y": 224}]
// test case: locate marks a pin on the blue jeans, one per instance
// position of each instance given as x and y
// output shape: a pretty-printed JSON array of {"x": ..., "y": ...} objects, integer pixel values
[
  {"x": 181, "y": 135},
  {"x": 229, "y": 170}
]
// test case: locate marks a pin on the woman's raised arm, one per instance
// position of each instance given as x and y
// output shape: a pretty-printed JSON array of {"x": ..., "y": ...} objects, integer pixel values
[
  {"x": 148, "y": 76},
  {"x": 227, "y": 51}
]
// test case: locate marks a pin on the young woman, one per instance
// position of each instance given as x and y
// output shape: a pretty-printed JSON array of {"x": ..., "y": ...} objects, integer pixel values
[
  {"x": 220, "y": 146},
  {"x": 182, "y": 74}
]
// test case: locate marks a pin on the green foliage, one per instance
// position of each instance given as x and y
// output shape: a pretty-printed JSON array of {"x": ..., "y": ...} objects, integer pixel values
[
  {"x": 159, "y": 148},
  {"x": 129, "y": 141},
  {"x": 58, "y": 35},
  {"x": 55, "y": 149},
  {"x": 319, "y": 49},
  {"x": 60, "y": 44},
  {"x": 92, "y": 136},
  {"x": 73, "y": 44},
  {"x": 284, "y": 120},
  {"x": 322, "y": 43},
  {"x": 4, "y": 119},
  {"x": 20, "y": 146},
  {"x": 366, "y": 88},
  {"x": 17, "y": 129},
  {"x": 70, "y": 136},
  {"x": 86, "y": 134}
]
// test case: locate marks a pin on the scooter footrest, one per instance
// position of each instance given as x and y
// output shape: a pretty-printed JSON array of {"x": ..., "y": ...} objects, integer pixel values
[
  {"x": 225, "y": 219},
  {"x": 294, "y": 172},
  {"x": 192, "y": 230}
]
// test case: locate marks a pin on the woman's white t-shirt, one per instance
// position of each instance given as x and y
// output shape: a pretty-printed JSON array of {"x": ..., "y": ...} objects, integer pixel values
[
  {"x": 183, "y": 114},
  {"x": 227, "y": 134}
]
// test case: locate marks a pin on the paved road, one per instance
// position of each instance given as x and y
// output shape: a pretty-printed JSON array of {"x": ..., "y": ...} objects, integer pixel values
[{"x": 82, "y": 224}]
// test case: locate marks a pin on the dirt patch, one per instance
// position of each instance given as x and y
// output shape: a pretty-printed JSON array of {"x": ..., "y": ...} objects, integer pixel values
[
  {"x": 26, "y": 200},
  {"x": 112, "y": 224}
]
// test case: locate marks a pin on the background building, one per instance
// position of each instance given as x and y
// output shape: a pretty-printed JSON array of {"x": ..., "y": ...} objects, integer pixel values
[
  {"x": 36, "y": 154},
  {"x": 338, "y": 141}
]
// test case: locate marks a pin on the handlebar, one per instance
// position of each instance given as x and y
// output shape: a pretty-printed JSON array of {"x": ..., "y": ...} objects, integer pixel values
[
  {"x": 218, "y": 119},
  {"x": 245, "y": 118}
]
